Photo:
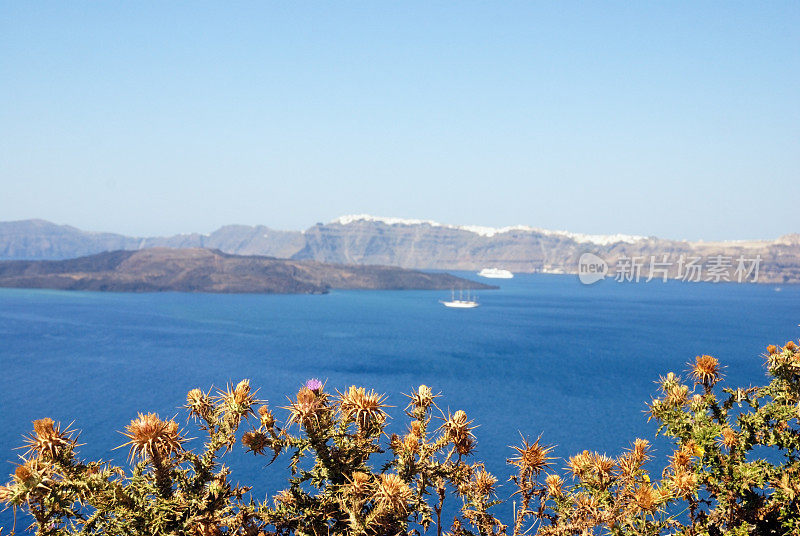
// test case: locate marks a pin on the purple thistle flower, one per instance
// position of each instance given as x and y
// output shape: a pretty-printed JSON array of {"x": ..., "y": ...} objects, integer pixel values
[{"x": 314, "y": 385}]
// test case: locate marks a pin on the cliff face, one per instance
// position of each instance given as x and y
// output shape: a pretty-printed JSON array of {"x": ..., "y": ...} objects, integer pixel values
[
  {"x": 426, "y": 245},
  {"x": 411, "y": 244},
  {"x": 203, "y": 270}
]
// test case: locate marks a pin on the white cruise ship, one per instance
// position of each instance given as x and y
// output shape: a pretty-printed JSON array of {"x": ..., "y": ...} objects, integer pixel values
[{"x": 495, "y": 273}]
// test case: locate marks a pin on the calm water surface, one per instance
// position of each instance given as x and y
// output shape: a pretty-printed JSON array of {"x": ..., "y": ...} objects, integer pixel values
[{"x": 542, "y": 355}]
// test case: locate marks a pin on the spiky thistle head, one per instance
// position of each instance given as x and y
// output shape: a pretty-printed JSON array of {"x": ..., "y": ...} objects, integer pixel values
[
  {"x": 580, "y": 464},
  {"x": 266, "y": 417},
  {"x": 307, "y": 409},
  {"x": 641, "y": 450},
  {"x": 531, "y": 458},
  {"x": 22, "y": 473},
  {"x": 422, "y": 399},
  {"x": 27, "y": 472},
  {"x": 32, "y": 474},
  {"x": 602, "y": 465},
  {"x": 358, "y": 486},
  {"x": 458, "y": 431},
  {"x": 586, "y": 506},
  {"x": 706, "y": 370},
  {"x": 365, "y": 408},
  {"x": 198, "y": 404},
  {"x": 392, "y": 495},
  {"x": 48, "y": 441},
  {"x": 698, "y": 403},
  {"x": 680, "y": 459},
  {"x": 415, "y": 428},
  {"x": 411, "y": 443},
  {"x": 483, "y": 482},
  {"x": 630, "y": 462},
  {"x": 683, "y": 483},
  {"x": 677, "y": 396},
  {"x": 669, "y": 381},
  {"x": 554, "y": 485},
  {"x": 646, "y": 497},
  {"x": 255, "y": 441},
  {"x": 149, "y": 436},
  {"x": 239, "y": 401},
  {"x": 728, "y": 438},
  {"x": 627, "y": 465}
]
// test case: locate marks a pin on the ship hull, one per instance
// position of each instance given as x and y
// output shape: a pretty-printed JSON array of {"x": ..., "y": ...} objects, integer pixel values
[{"x": 460, "y": 304}]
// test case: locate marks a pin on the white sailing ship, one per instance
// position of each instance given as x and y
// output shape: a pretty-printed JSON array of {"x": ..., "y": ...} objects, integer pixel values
[{"x": 460, "y": 303}]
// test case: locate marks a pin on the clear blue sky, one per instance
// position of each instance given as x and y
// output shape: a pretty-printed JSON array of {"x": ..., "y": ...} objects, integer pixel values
[{"x": 676, "y": 119}]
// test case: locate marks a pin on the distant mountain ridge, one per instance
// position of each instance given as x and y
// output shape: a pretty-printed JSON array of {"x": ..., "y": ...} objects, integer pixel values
[
  {"x": 43, "y": 240},
  {"x": 416, "y": 244}
]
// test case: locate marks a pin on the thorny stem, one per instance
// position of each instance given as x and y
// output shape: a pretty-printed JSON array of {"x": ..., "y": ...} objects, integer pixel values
[
  {"x": 441, "y": 491},
  {"x": 163, "y": 481}
]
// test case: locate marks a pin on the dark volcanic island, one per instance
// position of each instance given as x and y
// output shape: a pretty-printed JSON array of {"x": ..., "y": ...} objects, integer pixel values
[{"x": 207, "y": 270}]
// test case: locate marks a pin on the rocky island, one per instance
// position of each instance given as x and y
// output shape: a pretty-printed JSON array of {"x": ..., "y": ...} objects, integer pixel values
[{"x": 207, "y": 270}]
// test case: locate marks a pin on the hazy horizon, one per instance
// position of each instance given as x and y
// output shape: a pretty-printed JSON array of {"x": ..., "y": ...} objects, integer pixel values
[{"x": 672, "y": 120}]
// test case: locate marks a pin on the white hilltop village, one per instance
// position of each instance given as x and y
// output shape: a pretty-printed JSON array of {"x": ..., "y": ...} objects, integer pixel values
[{"x": 600, "y": 240}]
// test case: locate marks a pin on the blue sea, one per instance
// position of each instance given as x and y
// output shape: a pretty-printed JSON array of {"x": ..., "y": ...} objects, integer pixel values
[{"x": 543, "y": 355}]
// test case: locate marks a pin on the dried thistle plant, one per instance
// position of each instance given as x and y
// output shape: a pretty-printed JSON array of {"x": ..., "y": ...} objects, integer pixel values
[{"x": 711, "y": 483}]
